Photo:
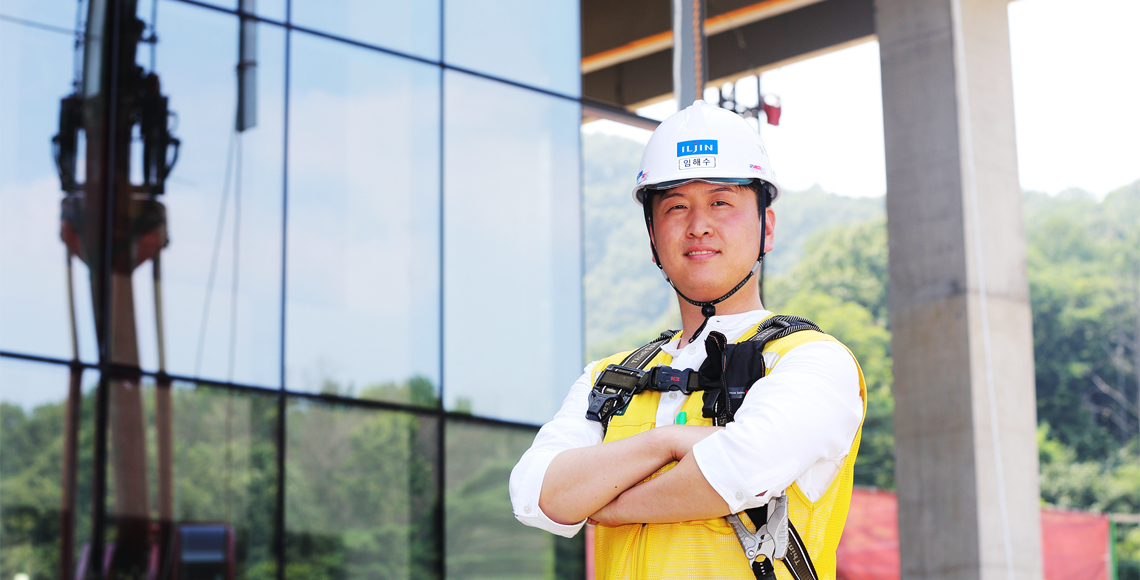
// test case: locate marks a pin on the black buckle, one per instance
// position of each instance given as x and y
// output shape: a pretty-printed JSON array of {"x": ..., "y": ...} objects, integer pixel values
[
  {"x": 666, "y": 379},
  {"x": 617, "y": 385},
  {"x": 612, "y": 392}
]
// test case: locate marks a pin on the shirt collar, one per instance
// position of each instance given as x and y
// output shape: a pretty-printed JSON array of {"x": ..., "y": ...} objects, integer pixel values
[{"x": 732, "y": 326}]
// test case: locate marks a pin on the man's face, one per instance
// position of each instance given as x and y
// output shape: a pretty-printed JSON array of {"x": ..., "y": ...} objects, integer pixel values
[{"x": 708, "y": 236}]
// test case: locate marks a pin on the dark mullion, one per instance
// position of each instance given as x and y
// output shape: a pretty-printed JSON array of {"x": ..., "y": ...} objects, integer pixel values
[
  {"x": 102, "y": 407},
  {"x": 279, "y": 514},
  {"x": 128, "y": 371},
  {"x": 441, "y": 433},
  {"x": 390, "y": 51},
  {"x": 48, "y": 359}
]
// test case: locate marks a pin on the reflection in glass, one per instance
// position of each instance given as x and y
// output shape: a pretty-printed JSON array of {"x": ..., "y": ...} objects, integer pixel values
[
  {"x": 410, "y": 27},
  {"x": 58, "y": 13},
  {"x": 46, "y": 425},
  {"x": 221, "y": 295},
  {"x": 363, "y": 241},
  {"x": 484, "y": 540},
  {"x": 512, "y": 249},
  {"x": 270, "y": 9},
  {"x": 534, "y": 43},
  {"x": 36, "y": 71},
  {"x": 361, "y": 493},
  {"x": 203, "y": 468},
  {"x": 627, "y": 303}
]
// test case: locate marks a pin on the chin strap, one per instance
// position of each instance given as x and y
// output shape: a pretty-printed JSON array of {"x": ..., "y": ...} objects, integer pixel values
[{"x": 708, "y": 309}]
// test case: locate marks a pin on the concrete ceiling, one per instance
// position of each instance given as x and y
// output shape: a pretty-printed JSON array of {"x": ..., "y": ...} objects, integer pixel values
[{"x": 627, "y": 56}]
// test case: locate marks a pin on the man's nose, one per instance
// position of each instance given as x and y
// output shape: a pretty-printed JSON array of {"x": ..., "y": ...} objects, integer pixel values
[{"x": 699, "y": 224}]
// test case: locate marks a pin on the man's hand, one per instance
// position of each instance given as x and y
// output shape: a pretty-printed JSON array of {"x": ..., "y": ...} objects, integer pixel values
[
  {"x": 681, "y": 494},
  {"x": 579, "y": 482},
  {"x": 636, "y": 506}
]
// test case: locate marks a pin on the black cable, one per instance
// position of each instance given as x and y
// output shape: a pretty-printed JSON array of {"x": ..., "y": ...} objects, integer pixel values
[
  {"x": 214, "y": 259},
  {"x": 236, "y": 264}
]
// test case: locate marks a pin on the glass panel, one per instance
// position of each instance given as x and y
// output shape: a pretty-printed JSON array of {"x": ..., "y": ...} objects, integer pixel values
[
  {"x": 270, "y": 9},
  {"x": 512, "y": 249},
  {"x": 535, "y": 43},
  {"x": 403, "y": 25},
  {"x": 55, "y": 13},
  {"x": 192, "y": 480},
  {"x": 363, "y": 249},
  {"x": 221, "y": 297},
  {"x": 484, "y": 540},
  {"x": 44, "y": 528},
  {"x": 36, "y": 71},
  {"x": 361, "y": 493},
  {"x": 627, "y": 302}
]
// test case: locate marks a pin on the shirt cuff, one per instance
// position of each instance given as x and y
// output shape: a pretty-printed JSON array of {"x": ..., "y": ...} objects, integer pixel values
[
  {"x": 720, "y": 471},
  {"x": 524, "y": 499}
]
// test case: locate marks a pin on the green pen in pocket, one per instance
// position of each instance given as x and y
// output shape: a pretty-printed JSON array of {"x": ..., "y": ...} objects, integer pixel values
[{"x": 681, "y": 418}]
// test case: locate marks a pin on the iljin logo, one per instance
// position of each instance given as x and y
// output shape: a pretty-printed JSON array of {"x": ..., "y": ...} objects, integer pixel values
[{"x": 697, "y": 147}]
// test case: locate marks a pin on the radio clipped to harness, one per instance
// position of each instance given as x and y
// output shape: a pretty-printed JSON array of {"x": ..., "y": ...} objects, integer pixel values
[{"x": 616, "y": 386}]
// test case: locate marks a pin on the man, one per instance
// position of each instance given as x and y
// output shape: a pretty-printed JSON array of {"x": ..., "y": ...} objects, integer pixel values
[{"x": 660, "y": 477}]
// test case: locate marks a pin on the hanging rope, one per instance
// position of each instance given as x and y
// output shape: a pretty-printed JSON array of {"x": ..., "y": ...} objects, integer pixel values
[{"x": 218, "y": 234}]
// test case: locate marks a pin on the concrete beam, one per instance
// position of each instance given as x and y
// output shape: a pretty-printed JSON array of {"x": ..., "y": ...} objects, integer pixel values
[
  {"x": 752, "y": 46},
  {"x": 965, "y": 412}
]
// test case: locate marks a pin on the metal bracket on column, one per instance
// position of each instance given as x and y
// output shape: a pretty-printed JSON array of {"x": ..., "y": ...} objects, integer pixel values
[{"x": 689, "y": 56}]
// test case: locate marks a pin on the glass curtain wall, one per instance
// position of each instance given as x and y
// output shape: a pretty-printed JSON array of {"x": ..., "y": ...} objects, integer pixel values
[{"x": 286, "y": 286}]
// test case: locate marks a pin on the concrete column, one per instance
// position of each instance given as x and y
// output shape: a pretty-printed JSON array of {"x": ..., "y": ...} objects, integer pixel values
[
  {"x": 965, "y": 413},
  {"x": 690, "y": 63}
]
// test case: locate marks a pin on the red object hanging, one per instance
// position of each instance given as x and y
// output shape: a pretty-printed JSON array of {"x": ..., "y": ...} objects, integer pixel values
[{"x": 771, "y": 107}]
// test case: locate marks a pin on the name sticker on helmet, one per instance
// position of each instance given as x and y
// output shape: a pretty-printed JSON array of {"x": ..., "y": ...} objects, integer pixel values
[
  {"x": 697, "y": 147},
  {"x": 700, "y": 162}
]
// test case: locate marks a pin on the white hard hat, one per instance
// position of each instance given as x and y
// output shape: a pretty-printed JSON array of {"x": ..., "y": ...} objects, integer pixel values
[{"x": 703, "y": 143}]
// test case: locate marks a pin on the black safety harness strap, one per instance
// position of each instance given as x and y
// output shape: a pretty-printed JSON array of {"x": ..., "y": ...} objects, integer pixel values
[
  {"x": 639, "y": 357},
  {"x": 796, "y": 560},
  {"x": 721, "y": 405}
]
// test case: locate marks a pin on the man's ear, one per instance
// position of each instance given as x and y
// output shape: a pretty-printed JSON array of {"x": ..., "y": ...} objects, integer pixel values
[{"x": 769, "y": 229}]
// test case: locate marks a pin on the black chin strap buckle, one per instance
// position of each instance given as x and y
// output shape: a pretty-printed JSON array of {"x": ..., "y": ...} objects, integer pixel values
[{"x": 708, "y": 311}]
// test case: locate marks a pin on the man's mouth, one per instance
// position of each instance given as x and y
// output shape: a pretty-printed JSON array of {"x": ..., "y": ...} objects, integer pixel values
[{"x": 700, "y": 253}]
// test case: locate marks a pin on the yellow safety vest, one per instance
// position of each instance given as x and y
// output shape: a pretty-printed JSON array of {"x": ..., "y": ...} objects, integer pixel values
[{"x": 709, "y": 548}]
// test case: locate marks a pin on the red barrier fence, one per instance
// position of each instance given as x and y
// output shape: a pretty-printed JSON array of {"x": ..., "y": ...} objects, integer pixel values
[{"x": 1074, "y": 544}]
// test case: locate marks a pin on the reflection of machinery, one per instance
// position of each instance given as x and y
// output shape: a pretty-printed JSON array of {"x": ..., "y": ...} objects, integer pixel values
[
  {"x": 114, "y": 152},
  {"x": 114, "y": 225},
  {"x": 203, "y": 552}
]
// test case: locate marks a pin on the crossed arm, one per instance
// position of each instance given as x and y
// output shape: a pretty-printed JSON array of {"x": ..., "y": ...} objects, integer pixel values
[{"x": 600, "y": 482}]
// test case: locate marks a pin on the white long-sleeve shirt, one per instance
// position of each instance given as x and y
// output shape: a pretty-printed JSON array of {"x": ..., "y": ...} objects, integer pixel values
[{"x": 795, "y": 425}]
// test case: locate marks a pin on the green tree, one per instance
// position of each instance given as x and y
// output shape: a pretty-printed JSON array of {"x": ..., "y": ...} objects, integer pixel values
[
  {"x": 840, "y": 283},
  {"x": 1084, "y": 279}
]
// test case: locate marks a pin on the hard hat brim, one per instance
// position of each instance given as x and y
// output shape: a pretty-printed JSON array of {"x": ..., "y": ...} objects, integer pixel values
[{"x": 639, "y": 195}]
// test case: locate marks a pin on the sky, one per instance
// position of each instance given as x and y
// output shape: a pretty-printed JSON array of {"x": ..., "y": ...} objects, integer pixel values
[{"x": 1076, "y": 82}]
